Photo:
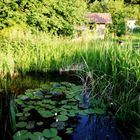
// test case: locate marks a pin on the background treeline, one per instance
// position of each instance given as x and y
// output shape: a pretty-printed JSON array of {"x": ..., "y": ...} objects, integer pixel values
[
  {"x": 126, "y": 1},
  {"x": 55, "y": 16},
  {"x": 120, "y": 12},
  {"x": 60, "y": 16}
]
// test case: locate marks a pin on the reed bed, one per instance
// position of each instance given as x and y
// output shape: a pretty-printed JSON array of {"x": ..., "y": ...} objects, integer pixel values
[{"x": 44, "y": 53}]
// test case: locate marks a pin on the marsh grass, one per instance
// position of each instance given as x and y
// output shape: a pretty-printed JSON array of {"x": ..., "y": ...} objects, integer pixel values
[
  {"x": 36, "y": 54},
  {"x": 41, "y": 52}
]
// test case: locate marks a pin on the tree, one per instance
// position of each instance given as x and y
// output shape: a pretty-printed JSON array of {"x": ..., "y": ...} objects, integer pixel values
[
  {"x": 55, "y": 16},
  {"x": 132, "y": 1},
  {"x": 119, "y": 11}
]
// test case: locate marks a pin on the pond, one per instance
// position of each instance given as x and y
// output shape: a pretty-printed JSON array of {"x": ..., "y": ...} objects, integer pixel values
[{"x": 54, "y": 108}]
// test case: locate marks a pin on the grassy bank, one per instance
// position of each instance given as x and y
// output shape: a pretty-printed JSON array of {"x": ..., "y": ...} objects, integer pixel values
[{"x": 41, "y": 52}]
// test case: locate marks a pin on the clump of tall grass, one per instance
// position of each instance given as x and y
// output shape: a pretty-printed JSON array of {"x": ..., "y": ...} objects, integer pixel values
[
  {"x": 41, "y": 52},
  {"x": 35, "y": 53},
  {"x": 114, "y": 79}
]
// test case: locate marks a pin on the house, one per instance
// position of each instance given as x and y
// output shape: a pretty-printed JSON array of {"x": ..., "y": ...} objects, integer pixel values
[
  {"x": 131, "y": 24},
  {"x": 101, "y": 20}
]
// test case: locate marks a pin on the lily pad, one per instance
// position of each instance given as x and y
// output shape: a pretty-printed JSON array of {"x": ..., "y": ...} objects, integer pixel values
[
  {"x": 63, "y": 113},
  {"x": 63, "y": 102},
  {"x": 39, "y": 123},
  {"x": 19, "y": 101},
  {"x": 38, "y": 93},
  {"x": 19, "y": 114},
  {"x": 70, "y": 96},
  {"x": 22, "y": 118},
  {"x": 56, "y": 138},
  {"x": 38, "y": 135},
  {"x": 72, "y": 113},
  {"x": 49, "y": 102},
  {"x": 72, "y": 100},
  {"x": 82, "y": 112},
  {"x": 69, "y": 130},
  {"x": 21, "y": 124},
  {"x": 45, "y": 114},
  {"x": 50, "y": 133},
  {"x": 56, "y": 85},
  {"x": 26, "y": 109},
  {"x": 67, "y": 106},
  {"x": 62, "y": 118},
  {"x": 24, "y": 97},
  {"x": 26, "y": 136},
  {"x": 29, "y": 94},
  {"x": 19, "y": 134},
  {"x": 68, "y": 85},
  {"x": 27, "y": 114}
]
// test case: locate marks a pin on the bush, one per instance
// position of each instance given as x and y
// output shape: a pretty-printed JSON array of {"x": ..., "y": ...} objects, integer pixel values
[{"x": 57, "y": 17}]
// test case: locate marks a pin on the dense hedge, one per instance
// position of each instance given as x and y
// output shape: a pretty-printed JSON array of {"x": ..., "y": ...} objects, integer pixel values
[
  {"x": 60, "y": 16},
  {"x": 55, "y": 16}
]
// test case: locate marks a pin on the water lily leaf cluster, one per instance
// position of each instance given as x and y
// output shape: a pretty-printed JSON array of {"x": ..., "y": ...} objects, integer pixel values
[
  {"x": 52, "y": 108},
  {"x": 47, "y": 134}
]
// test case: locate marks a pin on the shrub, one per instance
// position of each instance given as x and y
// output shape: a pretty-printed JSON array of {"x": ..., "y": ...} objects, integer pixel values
[{"x": 57, "y": 17}]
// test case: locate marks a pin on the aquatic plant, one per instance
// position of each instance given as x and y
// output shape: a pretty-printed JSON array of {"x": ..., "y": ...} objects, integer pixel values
[{"x": 53, "y": 112}]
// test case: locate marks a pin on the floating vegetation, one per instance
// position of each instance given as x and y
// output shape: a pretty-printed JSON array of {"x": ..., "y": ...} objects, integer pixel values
[
  {"x": 59, "y": 125},
  {"x": 69, "y": 130},
  {"x": 52, "y": 108},
  {"x": 21, "y": 124}
]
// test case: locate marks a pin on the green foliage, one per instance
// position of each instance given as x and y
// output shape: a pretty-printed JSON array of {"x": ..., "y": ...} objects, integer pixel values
[
  {"x": 21, "y": 124},
  {"x": 98, "y": 7},
  {"x": 126, "y": 106},
  {"x": 132, "y": 1},
  {"x": 57, "y": 17},
  {"x": 126, "y": 1},
  {"x": 119, "y": 12},
  {"x": 62, "y": 118},
  {"x": 50, "y": 133}
]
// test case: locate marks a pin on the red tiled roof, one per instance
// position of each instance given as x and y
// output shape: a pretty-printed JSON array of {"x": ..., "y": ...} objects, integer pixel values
[{"x": 99, "y": 17}]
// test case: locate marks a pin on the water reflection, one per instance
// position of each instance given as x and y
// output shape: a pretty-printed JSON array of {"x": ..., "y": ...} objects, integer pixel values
[{"x": 93, "y": 127}]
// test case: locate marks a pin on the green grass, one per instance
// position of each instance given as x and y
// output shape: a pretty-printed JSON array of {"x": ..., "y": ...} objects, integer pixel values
[{"x": 41, "y": 52}]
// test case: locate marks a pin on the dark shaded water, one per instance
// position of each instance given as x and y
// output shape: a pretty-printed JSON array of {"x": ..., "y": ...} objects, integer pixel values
[
  {"x": 97, "y": 128},
  {"x": 89, "y": 127}
]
